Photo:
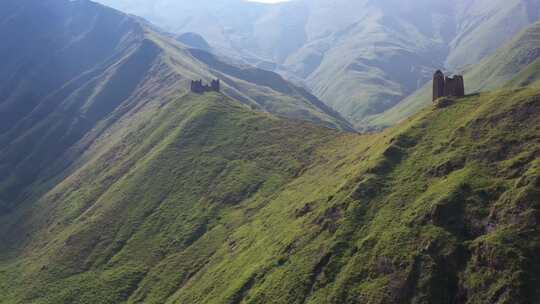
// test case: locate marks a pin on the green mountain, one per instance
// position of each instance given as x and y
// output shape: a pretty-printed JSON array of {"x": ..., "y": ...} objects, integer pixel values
[
  {"x": 362, "y": 57},
  {"x": 68, "y": 78},
  {"x": 119, "y": 186},
  {"x": 204, "y": 201},
  {"x": 110, "y": 41}
]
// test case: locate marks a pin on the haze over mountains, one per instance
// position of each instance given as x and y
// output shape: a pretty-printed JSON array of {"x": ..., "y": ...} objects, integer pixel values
[
  {"x": 519, "y": 56},
  {"x": 361, "y": 57},
  {"x": 81, "y": 27},
  {"x": 119, "y": 185}
]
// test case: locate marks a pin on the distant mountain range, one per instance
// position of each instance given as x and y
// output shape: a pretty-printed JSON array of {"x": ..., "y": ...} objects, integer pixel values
[
  {"x": 514, "y": 64},
  {"x": 362, "y": 57},
  {"x": 81, "y": 28}
]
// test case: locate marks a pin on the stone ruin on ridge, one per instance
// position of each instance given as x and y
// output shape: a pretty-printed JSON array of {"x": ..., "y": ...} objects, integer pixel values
[
  {"x": 444, "y": 86},
  {"x": 198, "y": 87}
]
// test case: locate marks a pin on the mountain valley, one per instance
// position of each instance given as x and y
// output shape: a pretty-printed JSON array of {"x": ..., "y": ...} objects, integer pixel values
[{"x": 120, "y": 185}]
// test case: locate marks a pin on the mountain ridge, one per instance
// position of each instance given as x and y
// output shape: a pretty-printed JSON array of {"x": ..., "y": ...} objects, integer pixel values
[
  {"x": 362, "y": 63},
  {"x": 126, "y": 66}
]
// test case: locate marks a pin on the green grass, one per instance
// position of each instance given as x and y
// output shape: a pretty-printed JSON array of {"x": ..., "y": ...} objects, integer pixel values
[{"x": 202, "y": 200}]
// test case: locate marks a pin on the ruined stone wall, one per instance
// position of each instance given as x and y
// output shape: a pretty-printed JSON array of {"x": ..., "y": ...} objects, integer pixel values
[
  {"x": 450, "y": 86},
  {"x": 460, "y": 91},
  {"x": 438, "y": 85},
  {"x": 198, "y": 87},
  {"x": 447, "y": 86}
]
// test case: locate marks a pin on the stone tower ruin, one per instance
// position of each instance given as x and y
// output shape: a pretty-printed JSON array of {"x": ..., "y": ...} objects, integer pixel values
[
  {"x": 438, "y": 85},
  {"x": 444, "y": 86},
  {"x": 198, "y": 87}
]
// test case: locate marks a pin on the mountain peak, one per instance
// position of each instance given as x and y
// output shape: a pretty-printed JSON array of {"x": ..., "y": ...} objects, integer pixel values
[{"x": 194, "y": 40}]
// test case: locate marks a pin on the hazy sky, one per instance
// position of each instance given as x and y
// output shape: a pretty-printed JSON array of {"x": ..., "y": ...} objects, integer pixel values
[{"x": 269, "y": 1}]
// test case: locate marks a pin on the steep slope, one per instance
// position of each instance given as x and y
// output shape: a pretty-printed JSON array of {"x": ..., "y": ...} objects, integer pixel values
[
  {"x": 78, "y": 37},
  {"x": 529, "y": 76},
  {"x": 483, "y": 26},
  {"x": 78, "y": 69},
  {"x": 516, "y": 62},
  {"x": 204, "y": 201},
  {"x": 170, "y": 172},
  {"x": 361, "y": 57},
  {"x": 508, "y": 62}
]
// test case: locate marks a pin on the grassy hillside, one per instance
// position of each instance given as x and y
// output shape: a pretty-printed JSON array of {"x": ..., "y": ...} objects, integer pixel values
[
  {"x": 201, "y": 200},
  {"x": 529, "y": 76},
  {"x": 184, "y": 171},
  {"x": 519, "y": 54}
]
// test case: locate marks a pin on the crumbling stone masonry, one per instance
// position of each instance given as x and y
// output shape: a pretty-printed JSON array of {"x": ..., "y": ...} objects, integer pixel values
[
  {"x": 444, "y": 86},
  {"x": 198, "y": 87}
]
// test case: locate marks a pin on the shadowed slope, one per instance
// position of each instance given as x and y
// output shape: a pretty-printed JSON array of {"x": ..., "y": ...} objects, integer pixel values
[{"x": 181, "y": 168}]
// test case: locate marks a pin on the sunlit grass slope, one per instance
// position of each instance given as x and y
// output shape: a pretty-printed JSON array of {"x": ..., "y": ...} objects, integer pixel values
[
  {"x": 204, "y": 201},
  {"x": 153, "y": 194}
]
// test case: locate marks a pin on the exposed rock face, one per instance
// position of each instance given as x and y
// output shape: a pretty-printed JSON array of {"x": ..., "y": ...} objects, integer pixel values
[
  {"x": 198, "y": 87},
  {"x": 444, "y": 86}
]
